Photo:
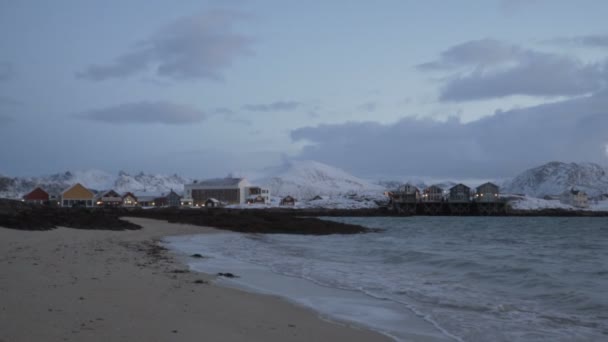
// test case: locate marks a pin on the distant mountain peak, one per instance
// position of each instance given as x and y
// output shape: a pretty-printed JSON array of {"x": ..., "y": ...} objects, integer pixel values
[
  {"x": 555, "y": 177},
  {"x": 94, "y": 180},
  {"x": 305, "y": 179}
]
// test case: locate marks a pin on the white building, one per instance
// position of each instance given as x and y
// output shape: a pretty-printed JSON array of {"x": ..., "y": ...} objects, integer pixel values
[
  {"x": 226, "y": 190},
  {"x": 575, "y": 198}
]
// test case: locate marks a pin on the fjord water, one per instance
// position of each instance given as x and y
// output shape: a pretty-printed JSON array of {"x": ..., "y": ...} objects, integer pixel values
[{"x": 469, "y": 278}]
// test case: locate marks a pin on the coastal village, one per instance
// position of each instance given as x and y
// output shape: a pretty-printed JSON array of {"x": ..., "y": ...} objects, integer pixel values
[{"x": 459, "y": 199}]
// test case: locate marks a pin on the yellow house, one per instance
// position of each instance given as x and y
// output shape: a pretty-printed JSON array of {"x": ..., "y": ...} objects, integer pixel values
[{"x": 77, "y": 195}]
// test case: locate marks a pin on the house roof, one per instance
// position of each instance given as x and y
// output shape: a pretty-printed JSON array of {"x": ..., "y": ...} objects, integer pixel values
[
  {"x": 488, "y": 184},
  {"x": 129, "y": 194},
  {"x": 220, "y": 182},
  {"x": 78, "y": 191},
  {"x": 37, "y": 195},
  {"x": 109, "y": 193},
  {"x": 460, "y": 185},
  {"x": 173, "y": 193}
]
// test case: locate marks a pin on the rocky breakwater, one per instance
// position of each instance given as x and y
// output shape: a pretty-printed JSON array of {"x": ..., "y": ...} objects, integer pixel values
[
  {"x": 252, "y": 221},
  {"x": 23, "y": 216}
]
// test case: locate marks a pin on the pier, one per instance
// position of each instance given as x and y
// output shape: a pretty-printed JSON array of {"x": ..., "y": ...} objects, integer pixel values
[{"x": 472, "y": 208}]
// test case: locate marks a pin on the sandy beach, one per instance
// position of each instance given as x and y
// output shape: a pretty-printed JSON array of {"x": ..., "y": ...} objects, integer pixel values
[{"x": 87, "y": 285}]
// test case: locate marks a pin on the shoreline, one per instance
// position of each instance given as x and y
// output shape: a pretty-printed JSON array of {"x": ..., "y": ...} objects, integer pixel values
[
  {"x": 72, "y": 285},
  {"x": 334, "y": 304}
]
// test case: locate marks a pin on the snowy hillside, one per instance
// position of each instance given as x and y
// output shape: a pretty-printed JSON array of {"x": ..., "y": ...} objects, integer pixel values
[
  {"x": 148, "y": 183},
  {"x": 532, "y": 203},
  {"x": 307, "y": 179},
  {"x": 556, "y": 177},
  {"x": 16, "y": 187}
]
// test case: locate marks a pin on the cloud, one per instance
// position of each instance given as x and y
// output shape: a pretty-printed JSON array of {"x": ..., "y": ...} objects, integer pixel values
[
  {"x": 592, "y": 40},
  {"x": 277, "y": 106},
  {"x": 497, "y": 146},
  {"x": 368, "y": 106},
  {"x": 230, "y": 116},
  {"x": 483, "y": 52},
  {"x": 146, "y": 113},
  {"x": 196, "y": 47},
  {"x": 222, "y": 111},
  {"x": 7, "y": 71},
  {"x": 486, "y": 69}
]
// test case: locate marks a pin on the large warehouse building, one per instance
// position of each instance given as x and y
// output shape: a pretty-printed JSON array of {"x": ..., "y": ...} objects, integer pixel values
[{"x": 227, "y": 190}]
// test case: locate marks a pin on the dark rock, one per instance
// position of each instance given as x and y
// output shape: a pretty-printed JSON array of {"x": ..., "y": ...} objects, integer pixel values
[
  {"x": 196, "y": 255},
  {"x": 227, "y": 275},
  {"x": 265, "y": 221},
  {"x": 23, "y": 216},
  {"x": 180, "y": 271}
]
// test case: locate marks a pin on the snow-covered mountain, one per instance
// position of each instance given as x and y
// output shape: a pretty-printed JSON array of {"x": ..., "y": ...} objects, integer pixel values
[
  {"x": 307, "y": 179},
  {"x": 556, "y": 177},
  {"x": 16, "y": 187},
  {"x": 149, "y": 183}
]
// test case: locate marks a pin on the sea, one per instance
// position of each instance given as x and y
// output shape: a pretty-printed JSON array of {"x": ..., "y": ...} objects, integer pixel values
[{"x": 431, "y": 278}]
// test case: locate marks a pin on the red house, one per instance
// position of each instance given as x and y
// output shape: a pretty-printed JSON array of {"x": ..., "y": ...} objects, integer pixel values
[{"x": 37, "y": 196}]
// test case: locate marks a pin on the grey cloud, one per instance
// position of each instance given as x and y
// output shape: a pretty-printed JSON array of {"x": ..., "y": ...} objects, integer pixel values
[
  {"x": 492, "y": 69},
  {"x": 592, "y": 40},
  {"x": 7, "y": 71},
  {"x": 540, "y": 75},
  {"x": 230, "y": 116},
  {"x": 146, "y": 113},
  {"x": 273, "y": 107},
  {"x": 368, "y": 106},
  {"x": 498, "y": 146},
  {"x": 197, "y": 47},
  {"x": 483, "y": 52},
  {"x": 222, "y": 111}
]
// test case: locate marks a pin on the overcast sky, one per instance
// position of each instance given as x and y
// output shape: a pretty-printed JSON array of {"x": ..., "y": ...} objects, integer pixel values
[{"x": 463, "y": 89}]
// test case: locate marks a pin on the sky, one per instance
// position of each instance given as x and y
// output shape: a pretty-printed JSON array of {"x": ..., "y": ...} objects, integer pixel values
[{"x": 383, "y": 89}]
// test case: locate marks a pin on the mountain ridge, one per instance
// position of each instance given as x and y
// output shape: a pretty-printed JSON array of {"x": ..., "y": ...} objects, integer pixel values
[{"x": 553, "y": 178}]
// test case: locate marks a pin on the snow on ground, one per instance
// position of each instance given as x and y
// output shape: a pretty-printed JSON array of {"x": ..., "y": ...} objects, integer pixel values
[
  {"x": 532, "y": 203},
  {"x": 599, "y": 206},
  {"x": 369, "y": 200}
]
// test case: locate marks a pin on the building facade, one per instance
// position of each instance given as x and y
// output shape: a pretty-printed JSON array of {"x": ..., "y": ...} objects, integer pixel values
[
  {"x": 77, "y": 195},
  {"x": 460, "y": 193},
  {"x": 432, "y": 194},
  {"x": 173, "y": 199},
  {"x": 109, "y": 198},
  {"x": 407, "y": 194},
  {"x": 257, "y": 194},
  {"x": 129, "y": 200},
  {"x": 487, "y": 192},
  {"x": 288, "y": 201},
  {"x": 575, "y": 198},
  {"x": 228, "y": 190},
  {"x": 37, "y": 196}
]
